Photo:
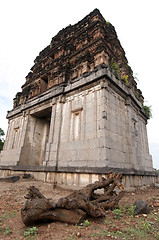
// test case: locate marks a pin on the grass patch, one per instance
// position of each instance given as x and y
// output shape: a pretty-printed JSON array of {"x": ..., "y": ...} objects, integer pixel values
[
  {"x": 7, "y": 231},
  {"x": 30, "y": 233},
  {"x": 7, "y": 215}
]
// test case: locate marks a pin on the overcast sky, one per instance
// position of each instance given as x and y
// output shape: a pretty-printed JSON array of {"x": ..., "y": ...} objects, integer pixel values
[{"x": 27, "y": 27}]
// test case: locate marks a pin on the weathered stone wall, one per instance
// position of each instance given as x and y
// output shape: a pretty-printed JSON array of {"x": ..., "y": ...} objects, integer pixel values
[
  {"x": 14, "y": 140},
  {"x": 81, "y": 126},
  {"x": 97, "y": 129},
  {"x": 91, "y": 125},
  {"x": 126, "y": 134}
]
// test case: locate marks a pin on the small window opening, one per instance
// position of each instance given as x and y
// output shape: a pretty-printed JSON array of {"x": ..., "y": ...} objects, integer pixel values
[{"x": 45, "y": 78}]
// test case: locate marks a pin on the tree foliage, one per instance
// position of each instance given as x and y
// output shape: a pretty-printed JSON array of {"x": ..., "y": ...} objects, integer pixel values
[{"x": 1, "y": 139}]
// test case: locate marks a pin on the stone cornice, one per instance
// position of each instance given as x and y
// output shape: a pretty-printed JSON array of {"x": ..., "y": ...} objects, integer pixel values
[{"x": 100, "y": 72}]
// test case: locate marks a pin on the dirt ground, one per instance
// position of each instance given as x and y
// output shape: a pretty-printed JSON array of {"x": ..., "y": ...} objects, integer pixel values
[{"x": 120, "y": 224}]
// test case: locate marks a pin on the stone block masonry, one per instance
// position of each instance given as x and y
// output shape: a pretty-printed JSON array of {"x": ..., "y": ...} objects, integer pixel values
[{"x": 76, "y": 117}]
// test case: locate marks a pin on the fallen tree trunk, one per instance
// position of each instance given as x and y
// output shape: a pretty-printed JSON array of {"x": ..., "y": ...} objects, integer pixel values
[{"x": 75, "y": 207}]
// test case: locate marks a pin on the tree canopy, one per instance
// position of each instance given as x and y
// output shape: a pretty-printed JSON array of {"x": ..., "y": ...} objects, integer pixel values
[{"x": 1, "y": 139}]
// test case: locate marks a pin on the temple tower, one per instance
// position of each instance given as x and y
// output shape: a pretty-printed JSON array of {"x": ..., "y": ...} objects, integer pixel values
[{"x": 80, "y": 110}]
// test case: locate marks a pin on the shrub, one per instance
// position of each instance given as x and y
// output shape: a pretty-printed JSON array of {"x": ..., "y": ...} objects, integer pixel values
[
  {"x": 114, "y": 66},
  {"x": 86, "y": 223},
  {"x": 124, "y": 78},
  {"x": 148, "y": 111}
]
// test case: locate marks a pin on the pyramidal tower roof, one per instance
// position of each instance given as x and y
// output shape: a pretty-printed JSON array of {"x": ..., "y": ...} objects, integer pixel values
[{"x": 76, "y": 50}]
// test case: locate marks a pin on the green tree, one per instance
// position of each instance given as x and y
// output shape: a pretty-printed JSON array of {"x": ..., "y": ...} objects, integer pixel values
[{"x": 1, "y": 139}]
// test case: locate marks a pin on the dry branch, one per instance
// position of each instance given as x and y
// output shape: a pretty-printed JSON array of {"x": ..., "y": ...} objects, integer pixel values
[{"x": 75, "y": 207}]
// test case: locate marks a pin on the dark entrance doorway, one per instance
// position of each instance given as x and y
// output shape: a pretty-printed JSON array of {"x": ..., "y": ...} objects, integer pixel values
[{"x": 37, "y": 133}]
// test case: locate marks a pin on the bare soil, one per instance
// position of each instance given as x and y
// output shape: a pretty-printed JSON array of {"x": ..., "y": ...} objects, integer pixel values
[{"x": 122, "y": 225}]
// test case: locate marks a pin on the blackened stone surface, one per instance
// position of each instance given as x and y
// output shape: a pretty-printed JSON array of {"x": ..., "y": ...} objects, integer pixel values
[
  {"x": 10, "y": 179},
  {"x": 27, "y": 175}
]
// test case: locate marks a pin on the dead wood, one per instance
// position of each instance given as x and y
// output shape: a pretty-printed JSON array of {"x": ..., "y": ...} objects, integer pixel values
[{"x": 76, "y": 206}]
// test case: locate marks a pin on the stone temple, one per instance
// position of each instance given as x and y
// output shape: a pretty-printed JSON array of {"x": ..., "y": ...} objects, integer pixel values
[{"x": 80, "y": 113}]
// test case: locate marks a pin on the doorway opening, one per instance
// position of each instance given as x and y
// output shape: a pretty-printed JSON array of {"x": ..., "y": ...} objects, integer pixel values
[{"x": 37, "y": 135}]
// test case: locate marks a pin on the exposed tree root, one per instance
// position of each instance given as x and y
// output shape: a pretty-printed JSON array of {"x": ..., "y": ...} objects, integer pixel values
[{"x": 75, "y": 207}]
